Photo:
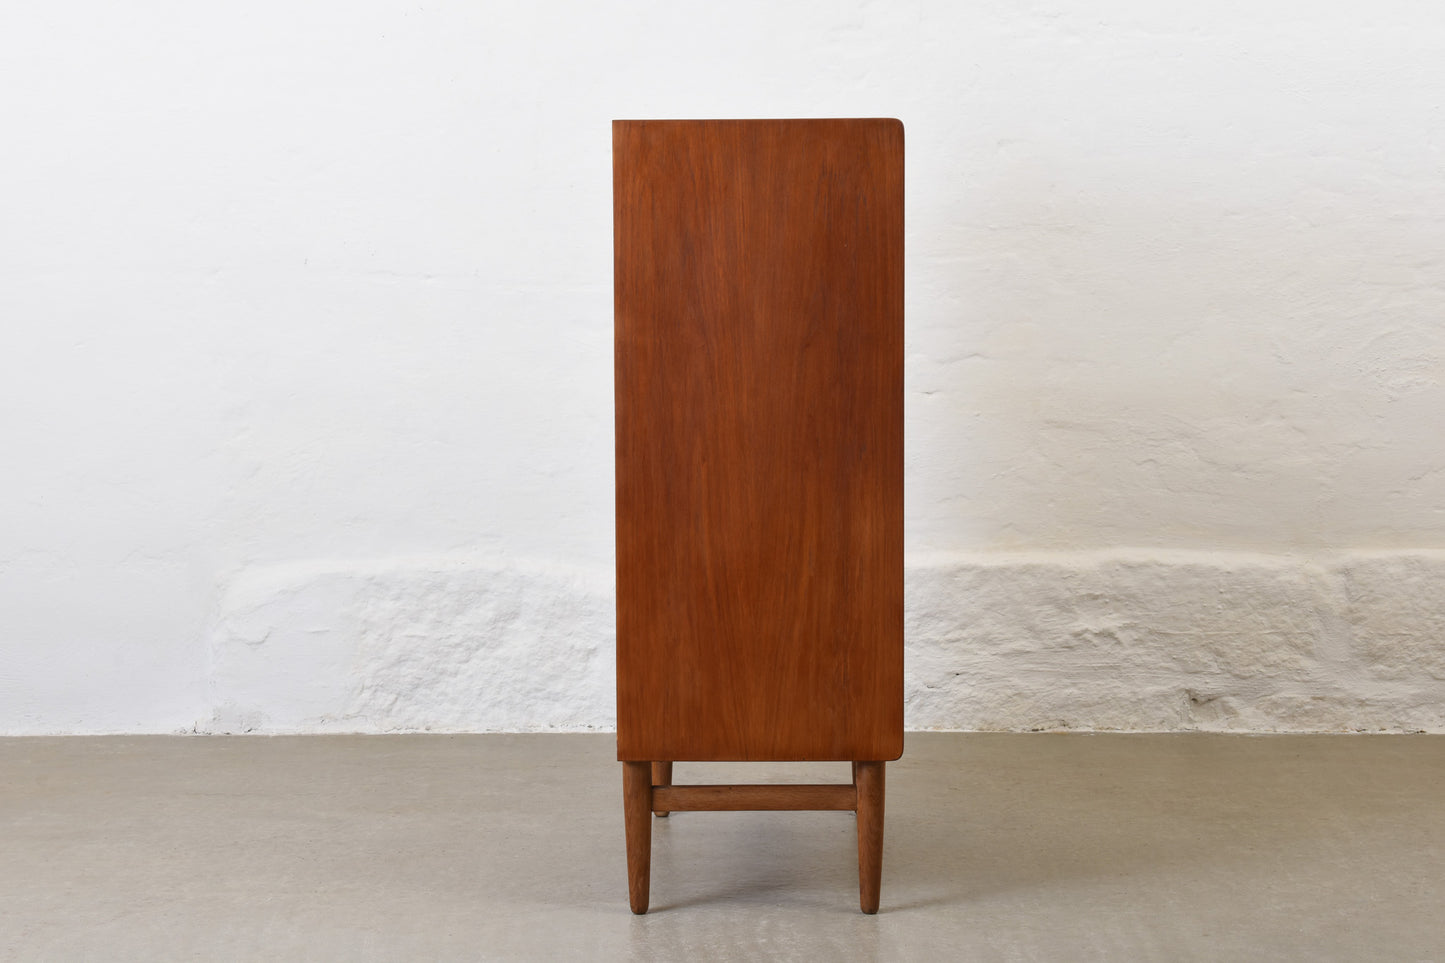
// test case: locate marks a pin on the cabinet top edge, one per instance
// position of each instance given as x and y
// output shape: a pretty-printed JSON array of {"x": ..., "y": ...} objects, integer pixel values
[{"x": 894, "y": 121}]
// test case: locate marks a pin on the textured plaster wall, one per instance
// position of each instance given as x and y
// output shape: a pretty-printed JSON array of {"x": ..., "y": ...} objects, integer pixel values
[{"x": 305, "y": 412}]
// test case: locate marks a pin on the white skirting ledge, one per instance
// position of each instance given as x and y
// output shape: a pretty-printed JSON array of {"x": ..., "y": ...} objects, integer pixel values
[
  {"x": 414, "y": 644},
  {"x": 1123, "y": 640},
  {"x": 1140, "y": 640}
]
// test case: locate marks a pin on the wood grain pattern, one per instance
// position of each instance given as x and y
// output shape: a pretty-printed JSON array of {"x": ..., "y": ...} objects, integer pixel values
[
  {"x": 759, "y": 406},
  {"x": 738, "y": 798}
]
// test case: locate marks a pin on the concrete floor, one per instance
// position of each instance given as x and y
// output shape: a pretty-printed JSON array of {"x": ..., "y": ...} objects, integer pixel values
[{"x": 999, "y": 847}]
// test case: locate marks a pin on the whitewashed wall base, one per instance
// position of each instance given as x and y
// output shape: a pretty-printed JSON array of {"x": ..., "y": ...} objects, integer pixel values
[{"x": 1121, "y": 640}]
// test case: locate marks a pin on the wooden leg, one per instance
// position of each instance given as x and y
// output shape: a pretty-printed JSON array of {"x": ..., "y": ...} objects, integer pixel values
[
  {"x": 855, "y": 774},
  {"x": 637, "y": 815},
  {"x": 870, "y": 833},
  {"x": 662, "y": 776}
]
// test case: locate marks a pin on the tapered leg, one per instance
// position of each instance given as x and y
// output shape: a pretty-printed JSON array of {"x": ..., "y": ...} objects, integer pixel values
[
  {"x": 870, "y": 833},
  {"x": 662, "y": 776},
  {"x": 637, "y": 815}
]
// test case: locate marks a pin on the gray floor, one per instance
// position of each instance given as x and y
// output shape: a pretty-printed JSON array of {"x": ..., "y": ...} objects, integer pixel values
[{"x": 999, "y": 847}]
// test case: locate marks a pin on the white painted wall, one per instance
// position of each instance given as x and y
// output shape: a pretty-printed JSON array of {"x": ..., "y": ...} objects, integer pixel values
[{"x": 305, "y": 386}]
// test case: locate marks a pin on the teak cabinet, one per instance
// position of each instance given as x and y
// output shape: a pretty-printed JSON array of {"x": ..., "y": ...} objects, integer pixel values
[{"x": 759, "y": 405}]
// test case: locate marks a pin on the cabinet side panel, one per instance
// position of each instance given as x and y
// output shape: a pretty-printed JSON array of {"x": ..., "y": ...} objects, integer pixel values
[{"x": 759, "y": 403}]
